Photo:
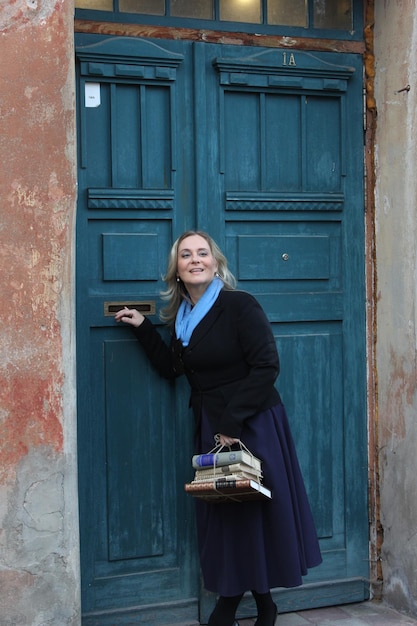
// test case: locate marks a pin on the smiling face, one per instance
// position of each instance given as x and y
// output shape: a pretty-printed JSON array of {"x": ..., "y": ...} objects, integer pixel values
[{"x": 196, "y": 265}]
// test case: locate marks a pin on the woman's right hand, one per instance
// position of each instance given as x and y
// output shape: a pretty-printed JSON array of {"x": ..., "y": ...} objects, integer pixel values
[{"x": 129, "y": 316}]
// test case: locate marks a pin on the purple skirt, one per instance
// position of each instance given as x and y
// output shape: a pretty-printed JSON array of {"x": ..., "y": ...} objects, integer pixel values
[{"x": 259, "y": 545}]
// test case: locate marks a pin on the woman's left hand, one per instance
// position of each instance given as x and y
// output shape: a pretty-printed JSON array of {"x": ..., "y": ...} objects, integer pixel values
[{"x": 224, "y": 440}]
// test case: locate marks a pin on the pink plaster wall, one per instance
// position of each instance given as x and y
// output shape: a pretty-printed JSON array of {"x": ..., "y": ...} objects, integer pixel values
[
  {"x": 37, "y": 207},
  {"x": 37, "y": 190}
]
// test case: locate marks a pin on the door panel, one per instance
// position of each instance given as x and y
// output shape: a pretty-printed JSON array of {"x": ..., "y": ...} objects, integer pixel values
[
  {"x": 267, "y": 158},
  {"x": 275, "y": 257},
  {"x": 137, "y": 527}
]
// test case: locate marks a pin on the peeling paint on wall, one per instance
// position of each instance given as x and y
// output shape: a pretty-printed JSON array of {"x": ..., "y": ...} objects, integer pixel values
[
  {"x": 32, "y": 410},
  {"x": 19, "y": 13},
  {"x": 39, "y": 188},
  {"x": 36, "y": 585},
  {"x": 39, "y": 577}
]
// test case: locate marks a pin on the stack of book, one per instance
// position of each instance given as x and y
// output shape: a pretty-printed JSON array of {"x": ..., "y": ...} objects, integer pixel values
[{"x": 235, "y": 475}]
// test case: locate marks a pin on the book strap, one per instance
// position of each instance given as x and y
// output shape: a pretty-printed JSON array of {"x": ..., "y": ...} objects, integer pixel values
[{"x": 218, "y": 448}]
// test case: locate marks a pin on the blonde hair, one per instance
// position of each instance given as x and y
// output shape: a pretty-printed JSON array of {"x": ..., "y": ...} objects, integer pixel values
[{"x": 176, "y": 291}]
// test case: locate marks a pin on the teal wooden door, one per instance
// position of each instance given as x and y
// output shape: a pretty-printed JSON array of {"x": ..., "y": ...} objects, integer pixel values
[
  {"x": 135, "y": 189},
  {"x": 282, "y": 136},
  {"x": 262, "y": 148}
]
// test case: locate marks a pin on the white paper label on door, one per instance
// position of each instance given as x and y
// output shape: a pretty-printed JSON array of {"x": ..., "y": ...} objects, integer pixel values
[{"x": 92, "y": 95}]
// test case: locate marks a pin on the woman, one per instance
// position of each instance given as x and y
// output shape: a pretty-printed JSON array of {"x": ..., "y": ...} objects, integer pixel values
[{"x": 223, "y": 343}]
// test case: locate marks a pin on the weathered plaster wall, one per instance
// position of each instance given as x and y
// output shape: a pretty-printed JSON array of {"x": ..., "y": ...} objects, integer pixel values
[
  {"x": 396, "y": 244},
  {"x": 39, "y": 577}
]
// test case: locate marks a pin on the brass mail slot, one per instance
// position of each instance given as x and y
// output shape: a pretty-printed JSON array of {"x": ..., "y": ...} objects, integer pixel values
[{"x": 144, "y": 307}]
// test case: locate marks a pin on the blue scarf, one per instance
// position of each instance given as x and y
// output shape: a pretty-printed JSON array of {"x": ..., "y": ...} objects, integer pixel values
[{"x": 189, "y": 316}]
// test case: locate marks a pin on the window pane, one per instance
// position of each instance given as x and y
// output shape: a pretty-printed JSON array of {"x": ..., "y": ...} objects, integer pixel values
[
  {"x": 200, "y": 9},
  {"x": 150, "y": 7},
  {"x": 332, "y": 14},
  {"x": 241, "y": 11},
  {"x": 98, "y": 5},
  {"x": 288, "y": 12},
  {"x": 326, "y": 14}
]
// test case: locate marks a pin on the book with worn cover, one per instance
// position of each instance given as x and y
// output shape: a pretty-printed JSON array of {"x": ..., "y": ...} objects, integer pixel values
[
  {"x": 225, "y": 458},
  {"x": 224, "y": 479},
  {"x": 228, "y": 490},
  {"x": 218, "y": 471},
  {"x": 238, "y": 475}
]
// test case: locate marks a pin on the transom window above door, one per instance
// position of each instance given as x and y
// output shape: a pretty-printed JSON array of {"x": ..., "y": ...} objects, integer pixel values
[{"x": 335, "y": 15}]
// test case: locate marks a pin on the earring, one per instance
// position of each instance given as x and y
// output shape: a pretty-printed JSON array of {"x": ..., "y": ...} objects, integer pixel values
[{"x": 178, "y": 279}]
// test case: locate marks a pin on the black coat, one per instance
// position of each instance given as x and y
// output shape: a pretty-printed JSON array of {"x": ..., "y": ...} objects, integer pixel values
[{"x": 231, "y": 361}]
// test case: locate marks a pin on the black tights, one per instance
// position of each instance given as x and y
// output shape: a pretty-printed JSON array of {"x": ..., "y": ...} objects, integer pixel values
[
  {"x": 226, "y": 607},
  {"x": 224, "y": 611},
  {"x": 266, "y": 609}
]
